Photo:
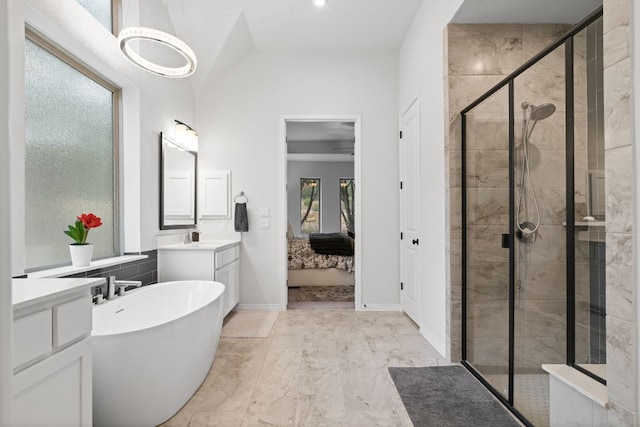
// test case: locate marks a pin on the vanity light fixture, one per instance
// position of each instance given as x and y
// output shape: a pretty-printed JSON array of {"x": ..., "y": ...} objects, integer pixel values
[
  {"x": 130, "y": 34},
  {"x": 186, "y": 136},
  {"x": 320, "y": 3}
]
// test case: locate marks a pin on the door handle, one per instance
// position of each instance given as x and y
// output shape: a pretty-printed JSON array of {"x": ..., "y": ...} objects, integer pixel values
[
  {"x": 506, "y": 241},
  {"x": 415, "y": 241}
]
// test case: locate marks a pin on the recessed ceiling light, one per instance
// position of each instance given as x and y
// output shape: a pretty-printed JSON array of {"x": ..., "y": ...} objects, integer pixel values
[{"x": 319, "y": 3}]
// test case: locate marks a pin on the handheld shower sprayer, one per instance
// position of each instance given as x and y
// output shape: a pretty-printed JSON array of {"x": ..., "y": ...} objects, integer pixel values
[{"x": 527, "y": 229}]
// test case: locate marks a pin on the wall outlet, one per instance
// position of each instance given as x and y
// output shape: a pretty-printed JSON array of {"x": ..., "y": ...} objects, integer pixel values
[
  {"x": 265, "y": 212},
  {"x": 265, "y": 223},
  {"x": 224, "y": 226}
]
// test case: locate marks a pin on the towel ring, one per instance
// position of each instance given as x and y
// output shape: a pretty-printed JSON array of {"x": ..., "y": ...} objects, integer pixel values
[{"x": 241, "y": 195}]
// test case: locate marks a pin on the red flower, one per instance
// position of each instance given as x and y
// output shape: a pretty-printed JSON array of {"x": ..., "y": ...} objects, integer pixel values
[
  {"x": 90, "y": 221},
  {"x": 80, "y": 230}
]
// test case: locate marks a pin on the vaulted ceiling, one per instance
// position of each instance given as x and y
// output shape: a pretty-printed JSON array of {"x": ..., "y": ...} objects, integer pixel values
[{"x": 221, "y": 32}]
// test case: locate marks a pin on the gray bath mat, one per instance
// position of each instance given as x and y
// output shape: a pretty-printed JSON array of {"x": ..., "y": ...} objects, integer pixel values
[{"x": 448, "y": 396}]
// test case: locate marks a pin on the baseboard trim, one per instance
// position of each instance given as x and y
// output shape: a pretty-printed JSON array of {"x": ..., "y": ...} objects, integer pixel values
[
  {"x": 435, "y": 342},
  {"x": 259, "y": 307},
  {"x": 379, "y": 307}
]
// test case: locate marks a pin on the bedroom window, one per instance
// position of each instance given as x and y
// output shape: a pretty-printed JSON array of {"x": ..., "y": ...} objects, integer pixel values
[
  {"x": 347, "y": 212},
  {"x": 309, "y": 205}
]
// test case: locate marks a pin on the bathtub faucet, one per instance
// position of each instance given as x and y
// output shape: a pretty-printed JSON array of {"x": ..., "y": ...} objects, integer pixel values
[{"x": 120, "y": 285}]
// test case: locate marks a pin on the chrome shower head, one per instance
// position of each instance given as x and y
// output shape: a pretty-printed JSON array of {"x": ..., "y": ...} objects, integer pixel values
[{"x": 541, "y": 112}]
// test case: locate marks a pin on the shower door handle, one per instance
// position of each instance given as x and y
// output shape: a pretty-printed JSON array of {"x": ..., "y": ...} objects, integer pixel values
[{"x": 506, "y": 241}]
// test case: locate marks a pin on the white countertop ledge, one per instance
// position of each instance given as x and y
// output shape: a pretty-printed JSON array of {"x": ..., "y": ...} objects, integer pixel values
[
  {"x": 580, "y": 382},
  {"x": 27, "y": 292},
  {"x": 95, "y": 265},
  {"x": 206, "y": 245}
]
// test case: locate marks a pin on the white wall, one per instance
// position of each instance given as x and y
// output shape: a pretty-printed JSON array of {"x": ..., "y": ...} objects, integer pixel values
[
  {"x": 239, "y": 123},
  {"x": 422, "y": 76},
  {"x": 150, "y": 104},
  {"x": 6, "y": 371},
  {"x": 330, "y": 174},
  {"x": 635, "y": 178}
]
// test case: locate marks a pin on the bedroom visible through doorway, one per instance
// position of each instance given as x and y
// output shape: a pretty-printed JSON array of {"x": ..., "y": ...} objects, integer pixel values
[{"x": 320, "y": 208}]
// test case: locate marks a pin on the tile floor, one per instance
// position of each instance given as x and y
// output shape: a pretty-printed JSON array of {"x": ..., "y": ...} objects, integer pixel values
[
  {"x": 316, "y": 368},
  {"x": 531, "y": 395}
]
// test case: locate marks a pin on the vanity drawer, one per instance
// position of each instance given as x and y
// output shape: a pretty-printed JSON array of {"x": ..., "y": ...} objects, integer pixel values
[
  {"x": 226, "y": 256},
  {"x": 72, "y": 320},
  {"x": 31, "y": 337}
]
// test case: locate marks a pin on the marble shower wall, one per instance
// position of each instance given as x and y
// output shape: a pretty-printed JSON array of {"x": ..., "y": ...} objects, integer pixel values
[
  {"x": 622, "y": 374},
  {"x": 478, "y": 57}
]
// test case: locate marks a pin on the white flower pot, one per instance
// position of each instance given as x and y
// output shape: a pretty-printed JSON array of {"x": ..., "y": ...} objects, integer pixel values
[{"x": 81, "y": 254}]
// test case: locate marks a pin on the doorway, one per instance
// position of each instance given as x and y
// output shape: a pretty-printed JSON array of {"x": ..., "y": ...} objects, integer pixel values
[{"x": 320, "y": 175}]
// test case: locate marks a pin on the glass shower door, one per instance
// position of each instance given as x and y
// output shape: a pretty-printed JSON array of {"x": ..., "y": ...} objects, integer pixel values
[
  {"x": 486, "y": 219},
  {"x": 540, "y": 285}
]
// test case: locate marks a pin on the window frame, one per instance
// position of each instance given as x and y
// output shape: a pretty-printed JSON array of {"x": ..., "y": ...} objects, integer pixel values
[
  {"x": 63, "y": 55},
  {"x": 116, "y": 9}
]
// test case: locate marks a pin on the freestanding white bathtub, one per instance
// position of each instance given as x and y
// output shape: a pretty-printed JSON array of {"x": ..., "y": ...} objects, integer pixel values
[{"x": 152, "y": 349}]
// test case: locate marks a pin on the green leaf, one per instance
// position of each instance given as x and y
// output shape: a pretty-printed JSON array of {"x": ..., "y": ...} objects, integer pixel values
[{"x": 77, "y": 232}]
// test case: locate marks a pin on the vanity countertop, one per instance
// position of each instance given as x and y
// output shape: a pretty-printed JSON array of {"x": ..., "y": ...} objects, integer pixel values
[
  {"x": 26, "y": 292},
  {"x": 206, "y": 245}
]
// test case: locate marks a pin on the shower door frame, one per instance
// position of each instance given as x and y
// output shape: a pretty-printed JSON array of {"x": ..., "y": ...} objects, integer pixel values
[{"x": 508, "y": 239}]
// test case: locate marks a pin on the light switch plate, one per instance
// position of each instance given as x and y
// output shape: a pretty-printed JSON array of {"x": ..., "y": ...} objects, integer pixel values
[
  {"x": 265, "y": 223},
  {"x": 265, "y": 212}
]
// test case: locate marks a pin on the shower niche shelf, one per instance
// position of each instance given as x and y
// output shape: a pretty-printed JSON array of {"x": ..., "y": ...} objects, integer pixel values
[{"x": 587, "y": 224}]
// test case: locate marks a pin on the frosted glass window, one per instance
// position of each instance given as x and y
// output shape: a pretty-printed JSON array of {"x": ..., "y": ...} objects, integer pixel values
[
  {"x": 101, "y": 10},
  {"x": 69, "y": 158}
]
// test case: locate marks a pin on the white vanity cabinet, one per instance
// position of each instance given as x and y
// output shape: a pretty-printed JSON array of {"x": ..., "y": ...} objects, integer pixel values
[
  {"x": 52, "y": 354},
  {"x": 227, "y": 271},
  {"x": 218, "y": 261}
]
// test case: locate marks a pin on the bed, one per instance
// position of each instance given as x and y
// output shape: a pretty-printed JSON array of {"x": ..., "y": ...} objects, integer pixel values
[{"x": 331, "y": 267}]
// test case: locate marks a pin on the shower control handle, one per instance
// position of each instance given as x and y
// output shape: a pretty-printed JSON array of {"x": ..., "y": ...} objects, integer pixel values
[{"x": 415, "y": 241}]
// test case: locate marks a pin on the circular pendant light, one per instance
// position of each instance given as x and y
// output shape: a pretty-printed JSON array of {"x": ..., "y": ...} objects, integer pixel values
[{"x": 130, "y": 34}]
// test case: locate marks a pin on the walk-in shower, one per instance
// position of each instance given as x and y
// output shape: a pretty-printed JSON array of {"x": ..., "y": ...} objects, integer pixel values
[{"x": 533, "y": 225}]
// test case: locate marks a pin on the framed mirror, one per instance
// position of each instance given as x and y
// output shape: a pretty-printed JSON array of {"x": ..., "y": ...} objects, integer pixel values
[{"x": 177, "y": 185}]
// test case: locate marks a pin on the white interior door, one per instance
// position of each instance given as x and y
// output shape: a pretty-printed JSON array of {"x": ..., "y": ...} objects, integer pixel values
[{"x": 410, "y": 212}]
